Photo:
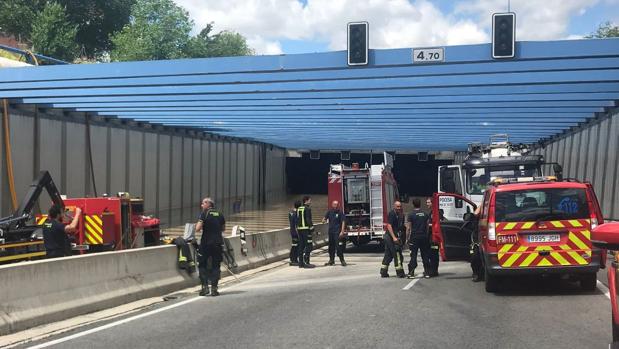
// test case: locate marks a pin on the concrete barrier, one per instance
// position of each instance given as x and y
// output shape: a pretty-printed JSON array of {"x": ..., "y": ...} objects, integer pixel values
[{"x": 40, "y": 292}]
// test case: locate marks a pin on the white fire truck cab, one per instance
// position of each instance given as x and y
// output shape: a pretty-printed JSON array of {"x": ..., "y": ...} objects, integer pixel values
[
  {"x": 365, "y": 195},
  {"x": 483, "y": 164}
]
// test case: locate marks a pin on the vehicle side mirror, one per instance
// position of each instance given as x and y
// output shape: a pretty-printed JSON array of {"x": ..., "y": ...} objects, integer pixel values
[
  {"x": 468, "y": 217},
  {"x": 606, "y": 236},
  {"x": 558, "y": 170}
]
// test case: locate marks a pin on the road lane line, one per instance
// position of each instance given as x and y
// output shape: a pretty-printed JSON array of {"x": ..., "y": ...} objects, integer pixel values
[
  {"x": 604, "y": 289},
  {"x": 411, "y": 284},
  {"x": 132, "y": 318}
]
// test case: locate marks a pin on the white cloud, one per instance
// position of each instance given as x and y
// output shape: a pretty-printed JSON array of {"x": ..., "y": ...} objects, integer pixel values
[
  {"x": 393, "y": 23},
  {"x": 535, "y": 20}
]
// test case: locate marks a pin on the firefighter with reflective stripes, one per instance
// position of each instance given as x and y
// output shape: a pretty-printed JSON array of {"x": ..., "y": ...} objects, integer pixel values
[
  {"x": 393, "y": 247},
  {"x": 212, "y": 225},
  {"x": 434, "y": 247},
  {"x": 55, "y": 236},
  {"x": 294, "y": 235},
  {"x": 305, "y": 229}
]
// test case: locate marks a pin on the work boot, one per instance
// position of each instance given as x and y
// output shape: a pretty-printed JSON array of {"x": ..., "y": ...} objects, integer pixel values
[
  {"x": 411, "y": 273},
  {"x": 384, "y": 273},
  {"x": 309, "y": 266},
  {"x": 214, "y": 293},
  {"x": 293, "y": 264},
  {"x": 400, "y": 273},
  {"x": 204, "y": 291},
  {"x": 343, "y": 262},
  {"x": 331, "y": 262}
]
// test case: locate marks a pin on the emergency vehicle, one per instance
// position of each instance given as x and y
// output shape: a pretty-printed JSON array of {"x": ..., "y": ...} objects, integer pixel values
[
  {"x": 106, "y": 223},
  {"x": 484, "y": 163},
  {"x": 530, "y": 226},
  {"x": 606, "y": 236},
  {"x": 365, "y": 195}
]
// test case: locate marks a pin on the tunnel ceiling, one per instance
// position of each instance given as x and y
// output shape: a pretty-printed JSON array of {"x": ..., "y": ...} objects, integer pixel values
[{"x": 316, "y": 101}]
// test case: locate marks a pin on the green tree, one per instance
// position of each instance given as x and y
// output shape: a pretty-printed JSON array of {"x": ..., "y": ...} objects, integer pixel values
[
  {"x": 222, "y": 44},
  {"x": 605, "y": 30},
  {"x": 227, "y": 43},
  {"x": 17, "y": 17},
  {"x": 158, "y": 29},
  {"x": 96, "y": 21},
  {"x": 53, "y": 35}
]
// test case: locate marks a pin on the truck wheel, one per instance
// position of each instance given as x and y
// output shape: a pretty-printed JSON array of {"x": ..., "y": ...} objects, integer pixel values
[
  {"x": 588, "y": 282},
  {"x": 492, "y": 282}
]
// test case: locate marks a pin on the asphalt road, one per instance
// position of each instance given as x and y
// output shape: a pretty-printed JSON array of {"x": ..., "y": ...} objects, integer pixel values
[{"x": 352, "y": 307}]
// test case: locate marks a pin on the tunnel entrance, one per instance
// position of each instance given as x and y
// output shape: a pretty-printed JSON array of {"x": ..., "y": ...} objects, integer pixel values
[{"x": 414, "y": 177}]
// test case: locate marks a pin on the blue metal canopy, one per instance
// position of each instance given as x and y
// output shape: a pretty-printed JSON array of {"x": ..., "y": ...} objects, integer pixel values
[{"x": 316, "y": 101}]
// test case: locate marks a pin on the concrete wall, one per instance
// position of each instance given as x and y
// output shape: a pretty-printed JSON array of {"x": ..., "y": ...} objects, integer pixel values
[
  {"x": 170, "y": 168},
  {"x": 590, "y": 154},
  {"x": 40, "y": 292}
]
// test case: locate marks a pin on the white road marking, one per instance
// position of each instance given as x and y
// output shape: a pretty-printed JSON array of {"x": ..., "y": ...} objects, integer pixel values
[
  {"x": 411, "y": 284},
  {"x": 604, "y": 289},
  {"x": 129, "y": 319}
]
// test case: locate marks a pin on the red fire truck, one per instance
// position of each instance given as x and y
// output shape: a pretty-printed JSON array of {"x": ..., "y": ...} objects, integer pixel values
[{"x": 365, "y": 195}]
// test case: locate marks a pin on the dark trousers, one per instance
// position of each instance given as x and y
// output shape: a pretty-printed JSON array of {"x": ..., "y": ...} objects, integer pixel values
[
  {"x": 305, "y": 246},
  {"x": 210, "y": 264},
  {"x": 294, "y": 249},
  {"x": 393, "y": 252},
  {"x": 422, "y": 244},
  {"x": 476, "y": 264},
  {"x": 434, "y": 259},
  {"x": 336, "y": 245}
]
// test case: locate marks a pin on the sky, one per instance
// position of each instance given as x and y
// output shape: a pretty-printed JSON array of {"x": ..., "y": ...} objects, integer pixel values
[{"x": 304, "y": 26}]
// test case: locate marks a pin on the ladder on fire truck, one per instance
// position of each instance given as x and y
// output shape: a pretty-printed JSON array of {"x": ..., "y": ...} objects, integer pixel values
[{"x": 376, "y": 197}]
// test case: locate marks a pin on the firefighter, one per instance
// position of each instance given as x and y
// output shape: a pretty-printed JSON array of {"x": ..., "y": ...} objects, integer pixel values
[
  {"x": 418, "y": 239},
  {"x": 55, "y": 236},
  {"x": 433, "y": 259},
  {"x": 294, "y": 248},
  {"x": 305, "y": 229},
  {"x": 475, "y": 255},
  {"x": 337, "y": 238},
  {"x": 393, "y": 248},
  {"x": 212, "y": 225}
]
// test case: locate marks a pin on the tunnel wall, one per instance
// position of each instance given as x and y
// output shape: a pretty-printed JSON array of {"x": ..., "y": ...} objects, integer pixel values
[
  {"x": 172, "y": 169},
  {"x": 590, "y": 154}
]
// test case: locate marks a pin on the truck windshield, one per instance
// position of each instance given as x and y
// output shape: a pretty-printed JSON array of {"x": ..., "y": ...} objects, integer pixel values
[
  {"x": 478, "y": 177},
  {"x": 541, "y": 205}
]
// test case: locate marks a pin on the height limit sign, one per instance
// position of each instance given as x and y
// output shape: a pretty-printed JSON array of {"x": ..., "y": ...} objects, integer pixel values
[{"x": 429, "y": 55}]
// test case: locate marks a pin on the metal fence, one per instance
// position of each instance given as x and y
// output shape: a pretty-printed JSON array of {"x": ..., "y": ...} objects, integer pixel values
[
  {"x": 590, "y": 154},
  {"x": 172, "y": 169}
]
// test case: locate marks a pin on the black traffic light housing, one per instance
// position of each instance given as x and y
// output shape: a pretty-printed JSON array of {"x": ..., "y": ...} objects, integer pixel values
[
  {"x": 358, "y": 42},
  {"x": 504, "y": 35}
]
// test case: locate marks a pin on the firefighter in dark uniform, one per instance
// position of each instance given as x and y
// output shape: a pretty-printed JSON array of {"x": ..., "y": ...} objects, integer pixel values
[
  {"x": 212, "y": 225},
  {"x": 418, "y": 239},
  {"x": 434, "y": 248},
  {"x": 476, "y": 263},
  {"x": 55, "y": 236},
  {"x": 294, "y": 236},
  {"x": 337, "y": 238},
  {"x": 393, "y": 248},
  {"x": 305, "y": 229}
]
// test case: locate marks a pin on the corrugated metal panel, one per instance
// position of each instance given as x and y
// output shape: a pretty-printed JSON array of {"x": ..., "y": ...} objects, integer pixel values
[
  {"x": 150, "y": 173},
  {"x": 135, "y": 169},
  {"x": 163, "y": 187},
  {"x": 76, "y": 160}
]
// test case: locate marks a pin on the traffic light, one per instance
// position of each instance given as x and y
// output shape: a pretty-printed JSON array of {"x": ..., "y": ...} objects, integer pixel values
[
  {"x": 503, "y": 35},
  {"x": 358, "y": 43}
]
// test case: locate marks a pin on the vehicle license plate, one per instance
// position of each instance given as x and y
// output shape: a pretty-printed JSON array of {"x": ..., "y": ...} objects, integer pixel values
[{"x": 544, "y": 238}]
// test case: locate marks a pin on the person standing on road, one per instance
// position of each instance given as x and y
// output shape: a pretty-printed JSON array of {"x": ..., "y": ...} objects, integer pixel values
[
  {"x": 433, "y": 258},
  {"x": 393, "y": 248},
  {"x": 337, "y": 238},
  {"x": 212, "y": 224},
  {"x": 305, "y": 229},
  {"x": 294, "y": 248},
  {"x": 417, "y": 232},
  {"x": 55, "y": 236}
]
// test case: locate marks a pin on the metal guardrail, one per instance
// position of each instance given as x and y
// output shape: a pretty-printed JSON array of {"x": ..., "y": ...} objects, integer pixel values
[{"x": 29, "y": 54}]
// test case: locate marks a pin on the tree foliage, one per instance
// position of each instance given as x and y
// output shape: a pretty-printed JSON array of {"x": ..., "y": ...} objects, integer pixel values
[
  {"x": 605, "y": 30},
  {"x": 95, "y": 20},
  {"x": 158, "y": 29},
  {"x": 53, "y": 34}
]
